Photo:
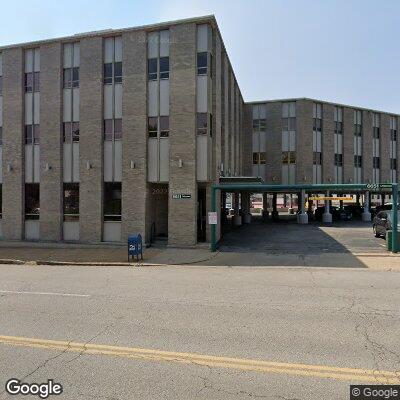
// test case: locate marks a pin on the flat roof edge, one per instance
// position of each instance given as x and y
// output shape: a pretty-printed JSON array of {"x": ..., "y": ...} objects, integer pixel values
[{"x": 204, "y": 18}]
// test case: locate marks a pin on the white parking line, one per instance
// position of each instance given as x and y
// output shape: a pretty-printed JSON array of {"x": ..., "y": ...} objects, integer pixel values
[{"x": 45, "y": 293}]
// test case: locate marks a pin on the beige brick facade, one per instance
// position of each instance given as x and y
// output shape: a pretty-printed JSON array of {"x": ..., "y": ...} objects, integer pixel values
[
  {"x": 50, "y": 143},
  {"x": 154, "y": 207}
]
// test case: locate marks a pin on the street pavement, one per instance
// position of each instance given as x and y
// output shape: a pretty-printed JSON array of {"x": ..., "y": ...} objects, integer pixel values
[{"x": 116, "y": 332}]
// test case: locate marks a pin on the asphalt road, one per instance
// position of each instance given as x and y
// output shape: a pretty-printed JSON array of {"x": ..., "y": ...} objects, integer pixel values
[{"x": 269, "y": 333}]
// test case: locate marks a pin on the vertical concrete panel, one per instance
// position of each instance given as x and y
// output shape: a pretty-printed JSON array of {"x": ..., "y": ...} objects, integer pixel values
[
  {"x": 328, "y": 130},
  {"x": 182, "y": 218},
  {"x": 50, "y": 143},
  {"x": 367, "y": 146},
  {"x": 274, "y": 143},
  {"x": 385, "y": 148},
  {"x": 91, "y": 140},
  {"x": 304, "y": 136},
  {"x": 13, "y": 123},
  {"x": 135, "y": 192},
  {"x": 348, "y": 145}
]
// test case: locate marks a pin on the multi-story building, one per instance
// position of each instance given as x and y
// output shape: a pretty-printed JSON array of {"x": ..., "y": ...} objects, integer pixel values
[
  {"x": 119, "y": 131},
  {"x": 307, "y": 141}
]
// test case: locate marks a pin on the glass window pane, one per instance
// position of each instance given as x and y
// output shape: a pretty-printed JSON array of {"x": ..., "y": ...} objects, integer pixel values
[
  {"x": 202, "y": 123},
  {"x": 118, "y": 72},
  {"x": 67, "y": 78},
  {"x": 108, "y": 129},
  {"x": 75, "y": 131},
  {"x": 75, "y": 77},
  {"x": 152, "y": 69},
  {"x": 112, "y": 201},
  {"x": 118, "y": 128},
  {"x": 36, "y": 83},
  {"x": 152, "y": 126},
  {"x": 36, "y": 133},
  {"x": 67, "y": 132},
  {"x": 164, "y": 67},
  {"x": 108, "y": 73},
  {"x": 71, "y": 200},
  {"x": 28, "y": 134},
  {"x": 29, "y": 82},
  {"x": 32, "y": 204},
  {"x": 202, "y": 63}
]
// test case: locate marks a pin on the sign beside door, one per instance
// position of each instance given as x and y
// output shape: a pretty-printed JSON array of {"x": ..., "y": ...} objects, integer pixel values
[{"x": 212, "y": 218}]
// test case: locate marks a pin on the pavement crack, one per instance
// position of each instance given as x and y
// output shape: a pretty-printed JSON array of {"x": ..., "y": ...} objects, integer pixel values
[{"x": 89, "y": 341}]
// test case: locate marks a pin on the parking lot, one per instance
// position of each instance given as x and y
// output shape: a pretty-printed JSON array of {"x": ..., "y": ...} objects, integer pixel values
[{"x": 286, "y": 236}]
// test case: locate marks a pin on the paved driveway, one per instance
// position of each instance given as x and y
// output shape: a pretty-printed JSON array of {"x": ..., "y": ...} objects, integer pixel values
[{"x": 286, "y": 236}]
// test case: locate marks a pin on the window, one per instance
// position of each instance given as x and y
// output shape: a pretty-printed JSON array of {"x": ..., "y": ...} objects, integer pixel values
[
  {"x": 112, "y": 201},
  {"x": 164, "y": 126},
  {"x": 259, "y": 124},
  {"x": 376, "y": 132},
  {"x": 202, "y": 123},
  {"x": 375, "y": 162},
  {"x": 393, "y": 163},
  {"x": 317, "y": 158},
  {"x": 358, "y": 161},
  {"x": 108, "y": 73},
  {"x": 71, "y": 132},
  {"x": 108, "y": 129},
  {"x": 118, "y": 72},
  {"x": 393, "y": 135},
  {"x": 32, "y": 134},
  {"x": 29, "y": 82},
  {"x": 357, "y": 130},
  {"x": 259, "y": 158},
  {"x": 317, "y": 124},
  {"x": 71, "y": 77},
  {"x": 289, "y": 124},
  {"x": 36, "y": 82},
  {"x": 339, "y": 127},
  {"x": 32, "y": 204},
  {"x": 152, "y": 69},
  {"x": 288, "y": 157},
  {"x": 71, "y": 201},
  {"x": 339, "y": 160},
  {"x": 164, "y": 68},
  {"x": 117, "y": 129},
  {"x": 152, "y": 126},
  {"x": 202, "y": 63}
]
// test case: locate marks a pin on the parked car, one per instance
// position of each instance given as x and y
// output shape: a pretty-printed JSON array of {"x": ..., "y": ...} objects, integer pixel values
[
  {"x": 337, "y": 213},
  {"x": 355, "y": 210},
  {"x": 382, "y": 223}
]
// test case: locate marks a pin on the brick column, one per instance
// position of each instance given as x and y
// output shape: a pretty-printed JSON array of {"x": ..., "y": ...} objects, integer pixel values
[
  {"x": 274, "y": 143},
  {"x": 13, "y": 147},
  {"x": 385, "y": 148},
  {"x": 91, "y": 139},
  {"x": 348, "y": 145},
  {"x": 328, "y": 150},
  {"x": 50, "y": 142},
  {"x": 367, "y": 146},
  {"x": 135, "y": 192},
  {"x": 304, "y": 141},
  {"x": 182, "y": 213}
]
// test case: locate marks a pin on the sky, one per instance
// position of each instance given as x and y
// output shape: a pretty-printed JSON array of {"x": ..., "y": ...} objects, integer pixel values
[{"x": 343, "y": 51}]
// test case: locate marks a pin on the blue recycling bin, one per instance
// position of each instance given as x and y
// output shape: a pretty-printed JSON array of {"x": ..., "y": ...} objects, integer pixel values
[{"x": 135, "y": 247}]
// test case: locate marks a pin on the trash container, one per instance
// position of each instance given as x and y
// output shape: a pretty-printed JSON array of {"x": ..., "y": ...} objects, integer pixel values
[{"x": 135, "y": 246}]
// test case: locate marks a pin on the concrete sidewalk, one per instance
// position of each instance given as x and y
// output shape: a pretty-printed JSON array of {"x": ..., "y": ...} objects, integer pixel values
[{"x": 48, "y": 253}]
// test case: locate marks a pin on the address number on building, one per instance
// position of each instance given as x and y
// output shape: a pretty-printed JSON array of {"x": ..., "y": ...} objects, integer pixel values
[{"x": 376, "y": 186}]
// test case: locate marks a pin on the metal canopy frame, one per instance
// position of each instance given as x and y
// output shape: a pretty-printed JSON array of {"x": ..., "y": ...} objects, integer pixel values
[{"x": 353, "y": 188}]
